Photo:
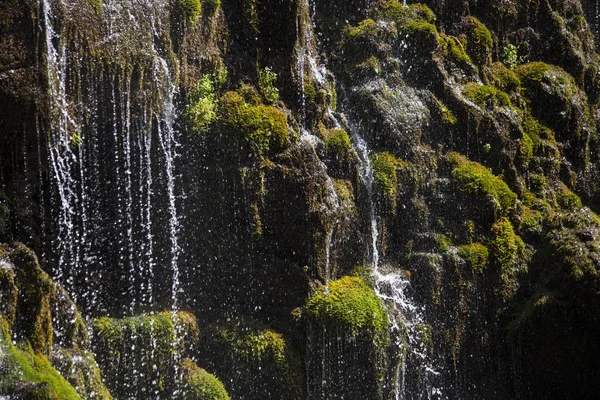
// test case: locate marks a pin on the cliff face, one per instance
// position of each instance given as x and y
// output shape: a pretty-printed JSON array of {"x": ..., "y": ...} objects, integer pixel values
[{"x": 309, "y": 199}]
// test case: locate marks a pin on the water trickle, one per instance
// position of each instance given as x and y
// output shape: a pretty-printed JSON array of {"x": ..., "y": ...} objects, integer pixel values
[
  {"x": 113, "y": 172},
  {"x": 393, "y": 287}
]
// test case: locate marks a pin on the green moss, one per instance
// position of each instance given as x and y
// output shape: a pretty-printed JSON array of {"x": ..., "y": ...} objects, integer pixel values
[
  {"x": 211, "y": 5},
  {"x": 337, "y": 143},
  {"x": 479, "y": 40},
  {"x": 199, "y": 384},
  {"x": 443, "y": 242},
  {"x": 139, "y": 353},
  {"x": 526, "y": 148},
  {"x": 82, "y": 372},
  {"x": 504, "y": 78},
  {"x": 455, "y": 51},
  {"x": 21, "y": 363},
  {"x": 34, "y": 321},
  {"x": 475, "y": 179},
  {"x": 8, "y": 293},
  {"x": 202, "y": 108},
  {"x": 384, "y": 174},
  {"x": 191, "y": 9},
  {"x": 486, "y": 96},
  {"x": 566, "y": 199},
  {"x": 475, "y": 254},
  {"x": 97, "y": 5},
  {"x": 348, "y": 304},
  {"x": 506, "y": 248},
  {"x": 263, "y": 129},
  {"x": 532, "y": 72},
  {"x": 252, "y": 360},
  {"x": 531, "y": 219},
  {"x": 396, "y": 11}
]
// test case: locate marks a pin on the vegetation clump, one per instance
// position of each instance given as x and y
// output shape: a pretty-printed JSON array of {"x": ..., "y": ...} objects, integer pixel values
[
  {"x": 385, "y": 175},
  {"x": 475, "y": 254},
  {"x": 142, "y": 349},
  {"x": 20, "y": 363},
  {"x": 261, "y": 128},
  {"x": 191, "y": 9},
  {"x": 485, "y": 95},
  {"x": 266, "y": 84},
  {"x": 203, "y": 103},
  {"x": 348, "y": 303},
  {"x": 454, "y": 49},
  {"x": 504, "y": 79},
  {"x": 474, "y": 179},
  {"x": 253, "y": 359},
  {"x": 199, "y": 384},
  {"x": 532, "y": 72},
  {"x": 506, "y": 248},
  {"x": 479, "y": 40}
]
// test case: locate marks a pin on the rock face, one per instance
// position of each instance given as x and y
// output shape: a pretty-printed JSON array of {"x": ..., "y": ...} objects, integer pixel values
[{"x": 289, "y": 193}]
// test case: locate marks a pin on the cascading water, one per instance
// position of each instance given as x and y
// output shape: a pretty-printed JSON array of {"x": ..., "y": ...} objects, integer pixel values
[
  {"x": 113, "y": 169},
  {"x": 393, "y": 287}
]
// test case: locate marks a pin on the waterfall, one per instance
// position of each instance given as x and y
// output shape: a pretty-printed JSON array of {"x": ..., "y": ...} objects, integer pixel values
[
  {"x": 393, "y": 287},
  {"x": 113, "y": 159}
]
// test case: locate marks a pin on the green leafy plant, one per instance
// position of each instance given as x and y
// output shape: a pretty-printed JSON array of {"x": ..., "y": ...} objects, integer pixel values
[
  {"x": 266, "y": 84},
  {"x": 203, "y": 102},
  {"x": 510, "y": 56}
]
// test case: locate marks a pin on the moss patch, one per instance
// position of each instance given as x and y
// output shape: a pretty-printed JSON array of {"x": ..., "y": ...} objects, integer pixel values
[
  {"x": 199, "y": 384},
  {"x": 350, "y": 304},
  {"x": 475, "y": 254},
  {"x": 252, "y": 360},
  {"x": 486, "y": 96},
  {"x": 506, "y": 247},
  {"x": 137, "y": 354},
  {"x": 479, "y": 40},
  {"x": 82, "y": 372},
  {"x": 262, "y": 129},
  {"x": 475, "y": 179},
  {"x": 191, "y": 9},
  {"x": 21, "y": 363},
  {"x": 385, "y": 176}
]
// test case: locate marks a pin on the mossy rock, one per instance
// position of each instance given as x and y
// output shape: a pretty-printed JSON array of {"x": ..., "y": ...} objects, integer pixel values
[
  {"x": 27, "y": 373},
  {"x": 8, "y": 293},
  {"x": 69, "y": 328},
  {"x": 504, "y": 78},
  {"x": 79, "y": 368},
  {"x": 137, "y": 355},
  {"x": 486, "y": 96},
  {"x": 261, "y": 130},
  {"x": 385, "y": 179},
  {"x": 479, "y": 40},
  {"x": 473, "y": 179},
  {"x": 557, "y": 101},
  {"x": 191, "y": 9},
  {"x": 34, "y": 318},
  {"x": 253, "y": 360},
  {"x": 475, "y": 254},
  {"x": 347, "y": 330},
  {"x": 199, "y": 384},
  {"x": 349, "y": 303}
]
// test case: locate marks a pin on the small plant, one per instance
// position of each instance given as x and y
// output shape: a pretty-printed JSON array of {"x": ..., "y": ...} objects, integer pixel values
[
  {"x": 510, "y": 56},
  {"x": 266, "y": 84},
  {"x": 202, "y": 110},
  {"x": 76, "y": 140}
]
